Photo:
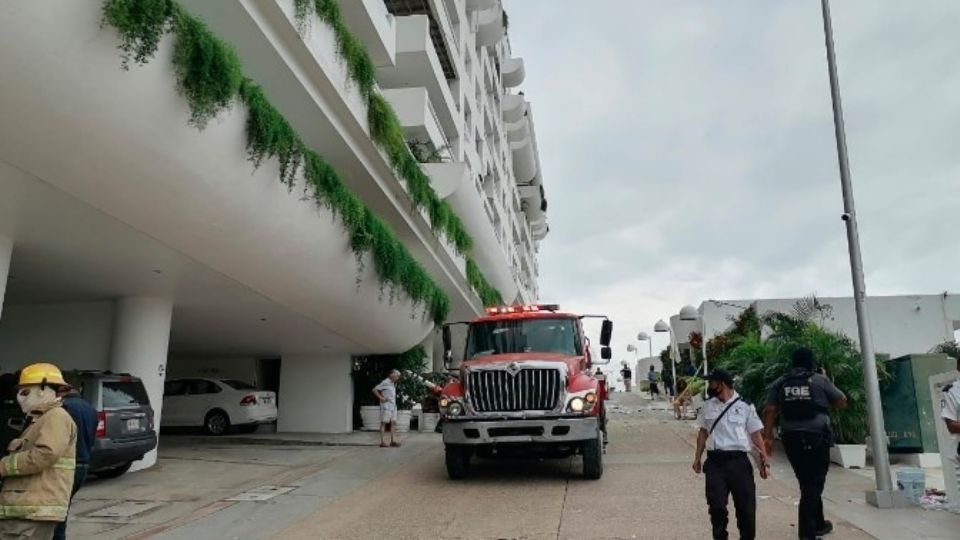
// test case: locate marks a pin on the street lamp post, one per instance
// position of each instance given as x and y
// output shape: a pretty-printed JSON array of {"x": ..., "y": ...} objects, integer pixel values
[
  {"x": 662, "y": 326},
  {"x": 884, "y": 496}
]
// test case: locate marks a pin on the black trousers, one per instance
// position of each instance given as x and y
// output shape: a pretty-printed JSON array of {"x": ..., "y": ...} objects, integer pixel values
[
  {"x": 731, "y": 473},
  {"x": 809, "y": 455}
]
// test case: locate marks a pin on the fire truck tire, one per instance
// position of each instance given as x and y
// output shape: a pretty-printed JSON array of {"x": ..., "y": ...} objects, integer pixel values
[
  {"x": 458, "y": 461},
  {"x": 593, "y": 458}
]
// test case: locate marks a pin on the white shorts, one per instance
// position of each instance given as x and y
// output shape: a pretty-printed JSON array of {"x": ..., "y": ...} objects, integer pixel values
[{"x": 388, "y": 413}]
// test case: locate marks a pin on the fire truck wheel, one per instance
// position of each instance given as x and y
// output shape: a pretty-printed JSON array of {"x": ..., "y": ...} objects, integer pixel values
[
  {"x": 593, "y": 458},
  {"x": 458, "y": 461}
]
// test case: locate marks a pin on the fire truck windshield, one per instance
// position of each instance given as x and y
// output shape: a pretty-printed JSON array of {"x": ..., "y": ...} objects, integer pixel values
[{"x": 524, "y": 336}]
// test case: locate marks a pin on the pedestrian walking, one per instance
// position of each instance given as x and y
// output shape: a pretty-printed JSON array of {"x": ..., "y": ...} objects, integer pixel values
[
  {"x": 38, "y": 472},
  {"x": 86, "y": 419},
  {"x": 386, "y": 393},
  {"x": 729, "y": 430},
  {"x": 802, "y": 399},
  {"x": 627, "y": 375},
  {"x": 668, "y": 382},
  {"x": 950, "y": 413},
  {"x": 652, "y": 379}
]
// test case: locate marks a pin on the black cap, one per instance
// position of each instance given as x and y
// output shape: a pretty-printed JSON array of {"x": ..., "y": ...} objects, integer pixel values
[{"x": 721, "y": 376}]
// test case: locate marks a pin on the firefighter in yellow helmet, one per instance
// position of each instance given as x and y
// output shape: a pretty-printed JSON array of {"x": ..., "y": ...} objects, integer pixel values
[{"x": 38, "y": 472}]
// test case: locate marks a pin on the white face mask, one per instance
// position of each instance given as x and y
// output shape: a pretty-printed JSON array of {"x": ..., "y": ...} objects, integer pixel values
[{"x": 34, "y": 397}]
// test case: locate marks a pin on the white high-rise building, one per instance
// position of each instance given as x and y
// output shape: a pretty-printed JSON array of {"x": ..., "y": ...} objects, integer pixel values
[{"x": 259, "y": 190}]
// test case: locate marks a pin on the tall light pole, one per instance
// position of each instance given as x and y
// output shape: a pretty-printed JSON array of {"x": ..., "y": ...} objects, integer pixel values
[
  {"x": 662, "y": 326},
  {"x": 884, "y": 496}
]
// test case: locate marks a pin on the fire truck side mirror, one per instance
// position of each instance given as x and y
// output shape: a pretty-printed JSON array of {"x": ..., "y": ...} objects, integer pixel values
[
  {"x": 447, "y": 346},
  {"x": 606, "y": 353},
  {"x": 606, "y": 333}
]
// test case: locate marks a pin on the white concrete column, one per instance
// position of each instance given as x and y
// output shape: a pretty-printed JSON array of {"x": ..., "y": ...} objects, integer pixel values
[
  {"x": 6, "y": 253},
  {"x": 141, "y": 337},
  {"x": 316, "y": 395},
  {"x": 437, "y": 347}
]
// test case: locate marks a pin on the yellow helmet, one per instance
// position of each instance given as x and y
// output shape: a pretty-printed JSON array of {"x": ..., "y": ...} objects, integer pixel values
[{"x": 41, "y": 373}]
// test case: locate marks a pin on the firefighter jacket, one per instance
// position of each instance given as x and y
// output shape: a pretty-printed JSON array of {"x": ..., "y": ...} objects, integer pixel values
[{"x": 38, "y": 475}]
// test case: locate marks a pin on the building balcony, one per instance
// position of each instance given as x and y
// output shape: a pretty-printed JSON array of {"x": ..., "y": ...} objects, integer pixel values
[
  {"x": 419, "y": 120},
  {"x": 454, "y": 183},
  {"x": 153, "y": 205},
  {"x": 370, "y": 21},
  {"x": 513, "y": 72},
  {"x": 481, "y": 5},
  {"x": 417, "y": 65},
  {"x": 513, "y": 106},
  {"x": 490, "y": 28}
]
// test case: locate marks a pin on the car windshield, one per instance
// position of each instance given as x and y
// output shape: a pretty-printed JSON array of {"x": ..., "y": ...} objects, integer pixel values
[
  {"x": 523, "y": 336},
  {"x": 238, "y": 385},
  {"x": 124, "y": 394}
]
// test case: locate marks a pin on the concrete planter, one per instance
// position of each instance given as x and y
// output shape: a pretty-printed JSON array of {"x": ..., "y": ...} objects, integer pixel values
[
  {"x": 849, "y": 456},
  {"x": 428, "y": 422},
  {"x": 403, "y": 421},
  {"x": 370, "y": 415}
]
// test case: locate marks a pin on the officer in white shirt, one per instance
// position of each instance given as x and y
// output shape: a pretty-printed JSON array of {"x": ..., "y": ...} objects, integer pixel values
[
  {"x": 729, "y": 430},
  {"x": 950, "y": 413}
]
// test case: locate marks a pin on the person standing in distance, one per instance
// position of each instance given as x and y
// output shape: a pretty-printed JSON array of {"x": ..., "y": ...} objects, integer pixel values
[
  {"x": 729, "y": 429},
  {"x": 802, "y": 399},
  {"x": 86, "y": 419},
  {"x": 950, "y": 413},
  {"x": 386, "y": 393}
]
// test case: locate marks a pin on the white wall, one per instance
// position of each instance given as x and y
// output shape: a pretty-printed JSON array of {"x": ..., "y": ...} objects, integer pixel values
[
  {"x": 242, "y": 369},
  {"x": 900, "y": 325},
  {"x": 72, "y": 336},
  {"x": 316, "y": 395}
]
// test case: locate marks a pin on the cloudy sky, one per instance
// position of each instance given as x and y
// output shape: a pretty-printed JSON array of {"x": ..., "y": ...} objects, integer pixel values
[{"x": 688, "y": 150}]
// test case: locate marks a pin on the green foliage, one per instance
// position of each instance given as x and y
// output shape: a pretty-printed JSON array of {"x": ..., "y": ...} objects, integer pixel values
[
  {"x": 368, "y": 371},
  {"x": 424, "y": 152},
  {"x": 758, "y": 362},
  {"x": 489, "y": 295},
  {"x": 949, "y": 348},
  {"x": 210, "y": 77},
  {"x": 385, "y": 127},
  {"x": 140, "y": 24}
]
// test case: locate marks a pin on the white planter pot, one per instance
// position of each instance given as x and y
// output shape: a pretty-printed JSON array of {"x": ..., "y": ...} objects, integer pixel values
[
  {"x": 849, "y": 456},
  {"x": 403, "y": 421},
  {"x": 428, "y": 422},
  {"x": 370, "y": 415}
]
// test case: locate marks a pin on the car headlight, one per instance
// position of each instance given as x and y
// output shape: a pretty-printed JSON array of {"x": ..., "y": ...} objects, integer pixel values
[
  {"x": 577, "y": 404},
  {"x": 455, "y": 408}
]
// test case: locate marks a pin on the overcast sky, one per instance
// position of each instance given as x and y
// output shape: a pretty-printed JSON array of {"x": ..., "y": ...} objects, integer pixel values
[{"x": 687, "y": 149}]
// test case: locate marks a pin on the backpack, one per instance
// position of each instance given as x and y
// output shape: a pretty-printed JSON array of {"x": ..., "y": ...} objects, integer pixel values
[{"x": 796, "y": 397}]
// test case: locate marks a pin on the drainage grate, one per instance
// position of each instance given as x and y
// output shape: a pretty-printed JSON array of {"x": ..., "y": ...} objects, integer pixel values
[{"x": 262, "y": 493}]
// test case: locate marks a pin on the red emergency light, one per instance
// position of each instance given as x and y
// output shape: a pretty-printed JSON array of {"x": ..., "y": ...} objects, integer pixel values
[{"x": 501, "y": 310}]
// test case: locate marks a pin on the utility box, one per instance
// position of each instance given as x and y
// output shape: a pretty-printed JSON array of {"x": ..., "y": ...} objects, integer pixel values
[{"x": 908, "y": 413}]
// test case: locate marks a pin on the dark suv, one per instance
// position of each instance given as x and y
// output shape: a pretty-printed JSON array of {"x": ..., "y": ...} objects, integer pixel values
[{"x": 126, "y": 430}]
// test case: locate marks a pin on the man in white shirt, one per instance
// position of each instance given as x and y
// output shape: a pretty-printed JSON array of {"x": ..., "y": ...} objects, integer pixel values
[
  {"x": 729, "y": 430},
  {"x": 950, "y": 413},
  {"x": 386, "y": 392}
]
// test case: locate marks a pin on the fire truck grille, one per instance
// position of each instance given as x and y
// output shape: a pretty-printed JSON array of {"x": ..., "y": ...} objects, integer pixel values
[{"x": 527, "y": 390}]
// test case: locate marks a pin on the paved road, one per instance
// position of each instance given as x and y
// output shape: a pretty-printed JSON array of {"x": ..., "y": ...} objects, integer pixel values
[{"x": 648, "y": 491}]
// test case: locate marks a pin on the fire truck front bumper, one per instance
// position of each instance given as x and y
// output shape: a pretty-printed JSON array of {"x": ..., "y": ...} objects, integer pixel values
[{"x": 502, "y": 431}]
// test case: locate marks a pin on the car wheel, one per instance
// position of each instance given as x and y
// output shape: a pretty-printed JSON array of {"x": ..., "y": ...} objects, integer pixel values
[
  {"x": 216, "y": 423},
  {"x": 114, "y": 472},
  {"x": 458, "y": 461},
  {"x": 593, "y": 457}
]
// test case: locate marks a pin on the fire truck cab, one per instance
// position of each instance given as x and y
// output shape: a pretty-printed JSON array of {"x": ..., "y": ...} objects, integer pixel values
[{"x": 526, "y": 386}]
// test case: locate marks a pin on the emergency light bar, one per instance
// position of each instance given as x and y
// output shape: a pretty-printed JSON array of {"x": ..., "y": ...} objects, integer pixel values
[{"x": 500, "y": 310}]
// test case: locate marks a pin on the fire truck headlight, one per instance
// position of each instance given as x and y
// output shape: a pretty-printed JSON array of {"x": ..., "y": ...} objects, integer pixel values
[
  {"x": 455, "y": 409},
  {"x": 577, "y": 404},
  {"x": 590, "y": 398}
]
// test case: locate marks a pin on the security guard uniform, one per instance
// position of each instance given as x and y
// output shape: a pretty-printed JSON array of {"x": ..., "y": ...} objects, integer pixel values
[{"x": 728, "y": 468}]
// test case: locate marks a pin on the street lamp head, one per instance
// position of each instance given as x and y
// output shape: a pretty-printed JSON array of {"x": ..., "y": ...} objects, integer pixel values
[
  {"x": 661, "y": 326},
  {"x": 631, "y": 348},
  {"x": 689, "y": 313},
  {"x": 643, "y": 336}
]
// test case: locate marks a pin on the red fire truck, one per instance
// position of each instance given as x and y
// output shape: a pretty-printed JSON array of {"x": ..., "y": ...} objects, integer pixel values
[{"x": 526, "y": 386}]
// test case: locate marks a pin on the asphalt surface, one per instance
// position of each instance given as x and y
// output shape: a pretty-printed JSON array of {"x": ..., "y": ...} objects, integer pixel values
[{"x": 363, "y": 492}]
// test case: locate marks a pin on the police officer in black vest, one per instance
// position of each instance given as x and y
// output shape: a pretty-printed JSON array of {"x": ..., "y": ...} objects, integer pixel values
[{"x": 802, "y": 399}]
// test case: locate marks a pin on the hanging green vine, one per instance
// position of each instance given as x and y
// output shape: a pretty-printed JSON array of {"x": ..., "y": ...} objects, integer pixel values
[
  {"x": 210, "y": 77},
  {"x": 387, "y": 131}
]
